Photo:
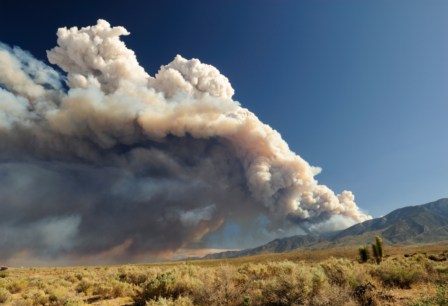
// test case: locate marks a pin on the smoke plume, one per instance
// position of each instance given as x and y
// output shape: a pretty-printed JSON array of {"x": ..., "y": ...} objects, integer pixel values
[{"x": 144, "y": 164}]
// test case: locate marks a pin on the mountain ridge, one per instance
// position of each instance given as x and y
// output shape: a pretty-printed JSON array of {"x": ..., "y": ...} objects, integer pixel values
[{"x": 409, "y": 225}]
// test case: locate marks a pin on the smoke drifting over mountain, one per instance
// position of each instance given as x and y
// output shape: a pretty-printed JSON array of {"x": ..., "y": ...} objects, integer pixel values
[{"x": 126, "y": 160}]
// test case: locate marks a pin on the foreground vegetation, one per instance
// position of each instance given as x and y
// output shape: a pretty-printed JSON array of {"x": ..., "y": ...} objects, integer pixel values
[{"x": 333, "y": 281}]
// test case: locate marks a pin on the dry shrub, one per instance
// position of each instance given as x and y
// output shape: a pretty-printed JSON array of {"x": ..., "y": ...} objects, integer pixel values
[
  {"x": 16, "y": 286},
  {"x": 37, "y": 282},
  {"x": 333, "y": 296},
  {"x": 62, "y": 299},
  {"x": 112, "y": 289},
  {"x": 186, "y": 270},
  {"x": 361, "y": 275},
  {"x": 42, "y": 300},
  {"x": 338, "y": 271},
  {"x": 20, "y": 302},
  {"x": 401, "y": 273},
  {"x": 64, "y": 283},
  {"x": 331, "y": 283},
  {"x": 298, "y": 287},
  {"x": 186, "y": 285},
  {"x": 74, "y": 302},
  {"x": 103, "y": 289},
  {"x": 257, "y": 270},
  {"x": 226, "y": 291},
  {"x": 223, "y": 286},
  {"x": 161, "y": 286},
  {"x": 182, "y": 301},
  {"x": 85, "y": 286},
  {"x": 278, "y": 268},
  {"x": 204, "y": 295},
  {"x": 241, "y": 279},
  {"x": 441, "y": 270},
  {"x": 440, "y": 298},
  {"x": 4, "y": 295},
  {"x": 132, "y": 275},
  {"x": 58, "y": 295},
  {"x": 35, "y": 296}
]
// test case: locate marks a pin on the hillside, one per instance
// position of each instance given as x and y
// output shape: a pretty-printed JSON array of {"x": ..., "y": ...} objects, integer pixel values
[
  {"x": 414, "y": 218},
  {"x": 283, "y": 245},
  {"x": 411, "y": 226},
  {"x": 440, "y": 207}
]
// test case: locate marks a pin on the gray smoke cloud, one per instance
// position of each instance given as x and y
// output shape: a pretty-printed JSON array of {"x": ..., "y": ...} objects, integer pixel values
[{"x": 139, "y": 163}]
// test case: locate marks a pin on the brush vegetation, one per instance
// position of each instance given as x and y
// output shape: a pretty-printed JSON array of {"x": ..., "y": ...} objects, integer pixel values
[{"x": 332, "y": 281}]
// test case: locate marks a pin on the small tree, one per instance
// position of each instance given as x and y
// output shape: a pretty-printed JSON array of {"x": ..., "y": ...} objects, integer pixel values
[
  {"x": 378, "y": 249},
  {"x": 364, "y": 253},
  {"x": 379, "y": 245},
  {"x": 374, "y": 250},
  {"x": 246, "y": 301}
]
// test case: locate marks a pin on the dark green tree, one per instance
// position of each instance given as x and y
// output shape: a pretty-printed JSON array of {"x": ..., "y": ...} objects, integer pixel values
[
  {"x": 364, "y": 253},
  {"x": 380, "y": 246},
  {"x": 378, "y": 249}
]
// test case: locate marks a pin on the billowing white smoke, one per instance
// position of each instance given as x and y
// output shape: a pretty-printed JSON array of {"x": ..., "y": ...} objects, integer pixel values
[
  {"x": 95, "y": 55},
  {"x": 114, "y": 103}
]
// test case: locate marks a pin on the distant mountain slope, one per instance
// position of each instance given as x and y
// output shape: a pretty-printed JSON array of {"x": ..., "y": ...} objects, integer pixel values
[
  {"x": 440, "y": 207},
  {"x": 283, "y": 245},
  {"x": 276, "y": 246},
  {"x": 223, "y": 255},
  {"x": 412, "y": 225},
  {"x": 407, "y": 221},
  {"x": 431, "y": 236}
]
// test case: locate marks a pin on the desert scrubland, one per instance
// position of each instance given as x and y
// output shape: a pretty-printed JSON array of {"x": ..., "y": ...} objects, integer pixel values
[{"x": 407, "y": 276}]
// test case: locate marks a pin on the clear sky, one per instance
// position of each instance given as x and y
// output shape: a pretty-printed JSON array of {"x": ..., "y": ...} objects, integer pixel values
[{"x": 358, "y": 88}]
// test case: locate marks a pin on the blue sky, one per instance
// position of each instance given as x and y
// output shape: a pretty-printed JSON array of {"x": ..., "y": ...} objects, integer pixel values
[{"x": 358, "y": 88}]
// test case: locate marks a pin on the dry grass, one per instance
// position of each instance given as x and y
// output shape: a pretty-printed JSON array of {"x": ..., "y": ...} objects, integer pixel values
[
  {"x": 310, "y": 278},
  {"x": 311, "y": 257}
]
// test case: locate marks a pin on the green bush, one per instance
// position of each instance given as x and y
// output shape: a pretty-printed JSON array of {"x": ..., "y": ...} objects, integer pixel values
[{"x": 246, "y": 301}]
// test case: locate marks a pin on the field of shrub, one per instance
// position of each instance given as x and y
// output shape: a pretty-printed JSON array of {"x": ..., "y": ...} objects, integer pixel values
[{"x": 331, "y": 282}]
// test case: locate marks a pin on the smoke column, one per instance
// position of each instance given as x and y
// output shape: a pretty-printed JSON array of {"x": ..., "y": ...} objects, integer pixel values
[{"x": 126, "y": 160}]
